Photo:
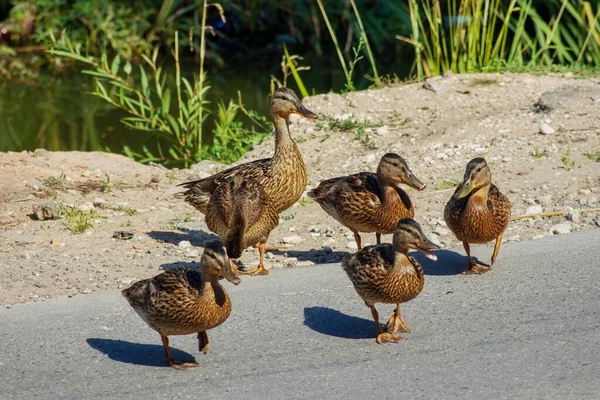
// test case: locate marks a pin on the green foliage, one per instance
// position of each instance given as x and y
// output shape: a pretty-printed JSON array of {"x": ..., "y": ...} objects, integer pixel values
[
  {"x": 175, "y": 223},
  {"x": 446, "y": 184},
  {"x": 593, "y": 156},
  {"x": 78, "y": 221},
  {"x": 539, "y": 153},
  {"x": 54, "y": 181},
  {"x": 568, "y": 163}
]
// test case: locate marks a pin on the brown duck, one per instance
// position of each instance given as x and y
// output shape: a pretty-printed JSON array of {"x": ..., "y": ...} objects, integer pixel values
[
  {"x": 242, "y": 215},
  {"x": 185, "y": 301},
  {"x": 368, "y": 202},
  {"x": 387, "y": 274},
  {"x": 477, "y": 212},
  {"x": 282, "y": 177}
]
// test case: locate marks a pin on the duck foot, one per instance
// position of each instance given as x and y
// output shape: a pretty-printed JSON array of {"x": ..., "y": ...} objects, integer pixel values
[
  {"x": 476, "y": 269},
  {"x": 182, "y": 365},
  {"x": 203, "y": 344},
  {"x": 396, "y": 324},
  {"x": 260, "y": 270},
  {"x": 387, "y": 337}
]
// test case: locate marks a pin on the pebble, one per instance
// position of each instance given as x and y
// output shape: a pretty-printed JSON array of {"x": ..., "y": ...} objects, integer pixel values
[
  {"x": 441, "y": 231},
  {"x": 546, "y": 129},
  {"x": 561, "y": 228},
  {"x": 85, "y": 207},
  {"x": 535, "y": 209},
  {"x": 573, "y": 215},
  {"x": 127, "y": 281},
  {"x": 352, "y": 245},
  {"x": 326, "y": 250},
  {"x": 545, "y": 200},
  {"x": 306, "y": 263},
  {"x": 184, "y": 244},
  {"x": 291, "y": 239},
  {"x": 192, "y": 254},
  {"x": 383, "y": 130},
  {"x": 99, "y": 202},
  {"x": 48, "y": 210}
]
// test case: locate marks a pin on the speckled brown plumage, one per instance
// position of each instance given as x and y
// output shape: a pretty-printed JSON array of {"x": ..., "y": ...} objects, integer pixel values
[
  {"x": 478, "y": 212},
  {"x": 369, "y": 202},
  {"x": 242, "y": 215},
  {"x": 387, "y": 274},
  {"x": 282, "y": 177},
  {"x": 185, "y": 301}
]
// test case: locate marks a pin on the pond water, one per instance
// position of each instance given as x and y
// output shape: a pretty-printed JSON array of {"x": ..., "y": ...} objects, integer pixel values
[{"x": 58, "y": 113}]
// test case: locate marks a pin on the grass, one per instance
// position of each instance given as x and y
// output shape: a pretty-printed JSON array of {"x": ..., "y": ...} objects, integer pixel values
[
  {"x": 539, "y": 153},
  {"x": 568, "y": 163},
  {"x": 287, "y": 217},
  {"x": 304, "y": 202},
  {"x": 446, "y": 184},
  {"x": 106, "y": 185},
  {"x": 171, "y": 176},
  {"x": 175, "y": 223},
  {"x": 363, "y": 137},
  {"x": 78, "y": 221},
  {"x": 54, "y": 181},
  {"x": 126, "y": 224},
  {"x": 593, "y": 156}
]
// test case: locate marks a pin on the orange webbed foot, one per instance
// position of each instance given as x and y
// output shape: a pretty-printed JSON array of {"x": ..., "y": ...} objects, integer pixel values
[
  {"x": 181, "y": 365},
  {"x": 476, "y": 269},
  {"x": 387, "y": 337},
  {"x": 396, "y": 324}
]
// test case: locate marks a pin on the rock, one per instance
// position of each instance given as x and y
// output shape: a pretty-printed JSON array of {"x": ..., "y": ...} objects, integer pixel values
[
  {"x": 184, "y": 244},
  {"x": 326, "y": 250},
  {"x": 122, "y": 235},
  {"x": 140, "y": 247},
  {"x": 441, "y": 231},
  {"x": 370, "y": 158},
  {"x": 383, "y": 130},
  {"x": 546, "y": 129},
  {"x": 48, "y": 210},
  {"x": 99, "y": 202},
  {"x": 291, "y": 239},
  {"x": 193, "y": 254},
  {"x": 582, "y": 201},
  {"x": 85, "y": 207},
  {"x": 573, "y": 215},
  {"x": 55, "y": 241},
  {"x": 434, "y": 84},
  {"x": 306, "y": 263},
  {"x": 352, "y": 245},
  {"x": 127, "y": 281},
  {"x": 559, "y": 229},
  {"x": 535, "y": 209}
]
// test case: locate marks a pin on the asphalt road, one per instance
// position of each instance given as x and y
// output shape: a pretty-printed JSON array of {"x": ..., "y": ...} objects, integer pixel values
[{"x": 530, "y": 329}]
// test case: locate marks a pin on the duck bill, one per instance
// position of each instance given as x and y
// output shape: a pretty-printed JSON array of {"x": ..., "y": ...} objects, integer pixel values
[
  {"x": 466, "y": 188},
  {"x": 305, "y": 112},
  {"x": 415, "y": 182},
  {"x": 426, "y": 246},
  {"x": 228, "y": 273}
]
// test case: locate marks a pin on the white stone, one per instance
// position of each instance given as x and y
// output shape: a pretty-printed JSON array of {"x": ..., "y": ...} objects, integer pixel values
[
  {"x": 546, "y": 129},
  {"x": 352, "y": 245},
  {"x": 573, "y": 215},
  {"x": 306, "y": 263},
  {"x": 193, "y": 254},
  {"x": 99, "y": 202},
  {"x": 441, "y": 231},
  {"x": 383, "y": 130},
  {"x": 291, "y": 239},
  {"x": 86, "y": 207},
  {"x": 184, "y": 244},
  {"x": 561, "y": 228},
  {"x": 535, "y": 209}
]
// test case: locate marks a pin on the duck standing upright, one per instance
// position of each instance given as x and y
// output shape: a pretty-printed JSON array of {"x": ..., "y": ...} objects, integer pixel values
[
  {"x": 388, "y": 274},
  {"x": 368, "y": 202},
  {"x": 185, "y": 301},
  {"x": 282, "y": 177},
  {"x": 242, "y": 214},
  {"x": 478, "y": 212}
]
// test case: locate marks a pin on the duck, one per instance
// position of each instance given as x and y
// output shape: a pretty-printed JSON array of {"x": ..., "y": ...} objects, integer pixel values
[
  {"x": 283, "y": 177},
  {"x": 185, "y": 301},
  {"x": 386, "y": 273},
  {"x": 370, "y": 202},
  {"x": 242, "y": 215},
  {"x": 477, "y": 212}
]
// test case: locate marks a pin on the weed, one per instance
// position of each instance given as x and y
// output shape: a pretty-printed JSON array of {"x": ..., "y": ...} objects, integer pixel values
[
  {"x": 304, "y": 202},
  {"x": 131, "y": 212},
  {"x": 539, "y": 153},
  {"x": 363, "y": 137},
  {"x": 176, "y": 222},
  {"x": 593, "y": 156},
  {"x": 287, "y": 217},
  {"x": 126, "y": 224},
  {"x": 568, "y": 163},
  {"x": 106, "y": 185},
  {"x": 349, "y": 86},
  {"x": 78, "y": 221},
  {"x": 317, "y": 160},
  {"x": 54, "y": 181},
  {"x": 171, "y": 176},
  {"x": 446, "y": 184}
]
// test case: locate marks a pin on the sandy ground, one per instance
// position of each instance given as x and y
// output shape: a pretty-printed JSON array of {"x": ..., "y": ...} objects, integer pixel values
[{"x": 535, "y": 131}]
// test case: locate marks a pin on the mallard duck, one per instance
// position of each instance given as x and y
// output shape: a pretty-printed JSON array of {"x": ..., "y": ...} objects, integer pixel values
[
  {"x": 387, "y": 274},
  {"x": 242, "y": 214},
  {"x": 477, "y": 212},
  {"x": 368, "y": 202},
  {"x": 282, "y": 177},
  {"x": 185, "y": 301}
]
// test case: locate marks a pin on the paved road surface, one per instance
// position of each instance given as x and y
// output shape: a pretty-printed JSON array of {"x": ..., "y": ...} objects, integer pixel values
[{"x": 530, "y": 329}]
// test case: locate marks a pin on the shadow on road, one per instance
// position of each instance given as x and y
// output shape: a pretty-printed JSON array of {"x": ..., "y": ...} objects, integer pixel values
[
  {"x": 152, "y": 355},
  {"x": 448, "y": 262},
  {"x": 335, "y": 323},
  {"x": 196, "y": 237}
]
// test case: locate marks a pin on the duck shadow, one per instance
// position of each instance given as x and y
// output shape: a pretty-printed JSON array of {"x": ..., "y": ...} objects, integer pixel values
[
  {"x": 317, "y": 256},
  {"x": 335, "y": 323},
  {"x": 196, "y": 237},
  {"x": 151, "y": 355},
  {"x": 448, "y": 263}
]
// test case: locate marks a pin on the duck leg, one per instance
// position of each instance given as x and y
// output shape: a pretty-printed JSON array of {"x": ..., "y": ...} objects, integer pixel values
[
  {"x": 260, "y": 270},
  {"x": 396, "y": 323},
  {"x": 268, "y": 248},
  {"x": 358, "y": 241},
  {"x": 496, "y": 248},
  {"x": 234, "y": 267},
  {"x": 473, "y": 267},
  {"x": 177, "y": 364},
  {"x": 203, "y": 345},
  {"x": 383, "y": 337},
  {"x": 378, "y": 236}
]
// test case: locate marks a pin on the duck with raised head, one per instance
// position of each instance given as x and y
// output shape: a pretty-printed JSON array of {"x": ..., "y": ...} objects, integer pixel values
[
  {"x": 370, "y": 202},
  {"x": 185, "y": 301},
  {"x": 242, "y": 215},
  {"x": 282, "y": 177},
  {"x": 478, "y": 212},
  {"x": 386, "y": 273}
]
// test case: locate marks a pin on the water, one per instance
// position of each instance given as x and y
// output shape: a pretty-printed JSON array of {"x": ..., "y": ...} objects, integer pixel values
[{"x": 58, "y": 113}]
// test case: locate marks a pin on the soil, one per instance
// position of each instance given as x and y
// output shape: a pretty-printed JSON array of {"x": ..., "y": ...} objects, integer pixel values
[{"x": 137, "y": 227}]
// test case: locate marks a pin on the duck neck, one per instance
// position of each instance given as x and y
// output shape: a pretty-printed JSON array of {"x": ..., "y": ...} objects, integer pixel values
[
  {"x": 283, "y": 139},
  {"x": 401, "y": 257},
  {"x": 387, "y": 192},
  {"x": 480, "y": 196}
]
